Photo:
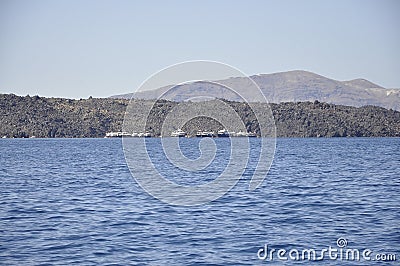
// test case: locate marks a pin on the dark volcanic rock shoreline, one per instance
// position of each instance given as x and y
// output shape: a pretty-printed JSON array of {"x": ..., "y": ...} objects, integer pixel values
[{"x": 41, "y": 117}]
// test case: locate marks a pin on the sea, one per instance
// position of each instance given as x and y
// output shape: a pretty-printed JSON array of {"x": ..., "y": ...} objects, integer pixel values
[{"x": 75, "y": 202}]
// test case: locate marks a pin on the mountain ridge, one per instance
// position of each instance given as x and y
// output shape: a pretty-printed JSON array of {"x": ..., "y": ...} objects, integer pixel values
[{"x": 289, "y": 86}]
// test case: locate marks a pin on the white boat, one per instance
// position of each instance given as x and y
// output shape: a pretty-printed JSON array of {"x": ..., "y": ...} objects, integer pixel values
[
  {"x": 245, "y": 134},
  {"x": 141, "y": 135},
  {"x": 203, "y": 134},
  {"x": 223, "y": 133},
  {"x": 125, "y": 134},
  {"x": 251, "y": 135},
  {"x": 240, "y": 134},
  {"x": 178, "y": 133},
  {"x": 118, "y": 134},
  {"x": 113, "y": 135},
  {"x": 146, "y": 135}
]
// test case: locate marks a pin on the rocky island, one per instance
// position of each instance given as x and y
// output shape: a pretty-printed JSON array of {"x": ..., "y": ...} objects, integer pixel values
[{"x": 34, "y": 116}]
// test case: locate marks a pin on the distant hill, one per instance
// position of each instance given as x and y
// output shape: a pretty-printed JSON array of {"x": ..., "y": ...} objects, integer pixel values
[{"x": 291, "y": 86}]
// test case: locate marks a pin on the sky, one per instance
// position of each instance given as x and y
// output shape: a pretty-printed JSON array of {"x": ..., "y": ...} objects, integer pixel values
[{"x": 77, "y": 49}]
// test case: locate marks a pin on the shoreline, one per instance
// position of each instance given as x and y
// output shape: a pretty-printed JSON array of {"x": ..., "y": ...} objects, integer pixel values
[{"x": 98, "y": 138}]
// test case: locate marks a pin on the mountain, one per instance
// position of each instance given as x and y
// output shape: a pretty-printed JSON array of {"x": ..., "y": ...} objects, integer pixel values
[{"x": 291, "y": 86}]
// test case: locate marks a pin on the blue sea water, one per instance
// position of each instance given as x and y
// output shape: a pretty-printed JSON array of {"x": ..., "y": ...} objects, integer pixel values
[{"x": 74, "y": 201}]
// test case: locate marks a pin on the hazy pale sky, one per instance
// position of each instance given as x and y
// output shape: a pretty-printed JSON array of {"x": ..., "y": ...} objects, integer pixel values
[{"x": 80, "y": 48}]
